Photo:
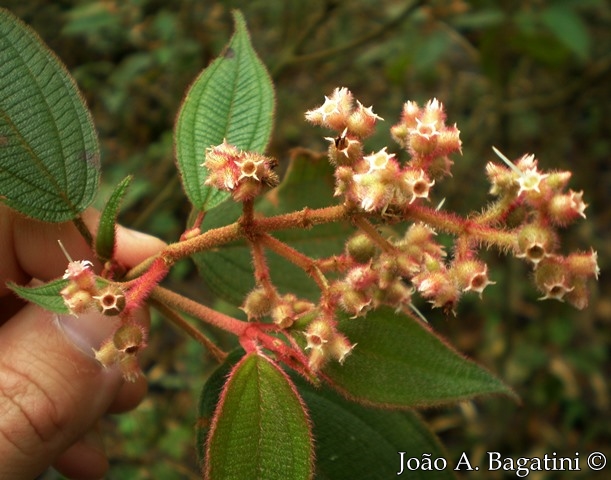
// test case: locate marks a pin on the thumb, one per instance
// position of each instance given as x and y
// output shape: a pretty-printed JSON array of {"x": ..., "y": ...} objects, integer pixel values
[{"x": 52, "y": 390}]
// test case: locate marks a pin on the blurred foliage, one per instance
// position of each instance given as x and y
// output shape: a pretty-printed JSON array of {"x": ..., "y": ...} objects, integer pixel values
[{"x": 523, "y": 75}]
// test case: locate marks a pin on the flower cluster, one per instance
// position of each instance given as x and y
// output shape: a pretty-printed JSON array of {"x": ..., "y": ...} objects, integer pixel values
[
  {"x": 377, "y": 182},
  {"x": 83, "y": 292},
  {"x": 244, "y": 174},
  {"x": 544, "y": 205}
]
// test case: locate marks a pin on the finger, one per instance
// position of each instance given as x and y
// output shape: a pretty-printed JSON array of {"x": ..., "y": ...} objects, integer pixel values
[
  {"x": 129, "y": 397},
  {"x": 51, "y": 392},
  {"x": 86, "y": 459},
  {"x": 30, "y": 248}
]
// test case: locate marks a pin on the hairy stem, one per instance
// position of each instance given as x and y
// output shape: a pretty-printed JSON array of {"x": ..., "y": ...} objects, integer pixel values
[
  {"x": 197, "y": 310},
  {"x": 297, "y": 258},
  {"x": 371, "y": 231},
  {"x": 190, "y": 330}
]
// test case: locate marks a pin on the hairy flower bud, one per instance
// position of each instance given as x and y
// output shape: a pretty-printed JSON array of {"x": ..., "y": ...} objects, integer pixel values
[
  {"x": 110, "y": 300},
  {"x": 362, "y": 121},
  {"x": 535, "y": 243},
  {"x": 552, "y": 278},
  {"x": 334, "y": 112},
  {"x": 244, "y": 174},
  {"x": 361, "y": 248},
  {"x": 471, "y": 276},
  {"x": 565, "y": 208},
  {"x": 583, "y": 264},
  {"x": 77, "y": 301},
  {"x": 438, "y": 288},
  {"x": 129, "y": 338},
  {"x": 257, "y": 304}
]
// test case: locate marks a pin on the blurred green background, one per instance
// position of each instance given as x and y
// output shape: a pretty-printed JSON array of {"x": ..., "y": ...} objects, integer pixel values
[{"x": 528, "y": 76}]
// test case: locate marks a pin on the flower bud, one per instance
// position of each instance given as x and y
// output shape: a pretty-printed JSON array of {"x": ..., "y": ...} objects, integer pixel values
[
  {"x": 77, "y": 301},
  {"x": 418, "y": 184},
  {"x": 257, "y": 303},
  {"x": 535, "y": 243},
  {"x": 578, "y": 296},
  {"x": 471, "y": 275},
  {"x": 129, "y": 338},
  {"x": 361, "y": 248},
  {"x": 340, "y": 347},
  {"x": 108, "y": 354},
  {"x": 335, "y": 111},
  {"x": 583, "y": 264},
  {"x": 438, "y": 288},
  {"x": 111, "y": 300},
  {"x": 362, "y": 121},
  {"x": 353, "y": 301},
  {"x": 565, "y": 208},
  {"x": 130, "y": 368}
]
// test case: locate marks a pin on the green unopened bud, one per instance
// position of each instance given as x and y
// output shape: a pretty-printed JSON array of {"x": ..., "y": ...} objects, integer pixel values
[
  {"x": 361, "y": 248},
  {"x": 257, "y": 303},
  {"x": 129, "y": 338}
]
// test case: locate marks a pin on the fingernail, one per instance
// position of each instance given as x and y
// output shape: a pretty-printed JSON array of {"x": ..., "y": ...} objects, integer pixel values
[{"x": 88, "y": 330}]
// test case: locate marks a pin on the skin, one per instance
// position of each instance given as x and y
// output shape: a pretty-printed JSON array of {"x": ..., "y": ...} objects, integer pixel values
[{"x": 52, "y": 390}]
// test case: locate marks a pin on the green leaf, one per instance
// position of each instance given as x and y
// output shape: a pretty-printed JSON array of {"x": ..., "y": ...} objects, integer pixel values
[
  {"x": 568, "y": 28},
  {"x": 355, "y": 441},
  {"x": 208, "y": 399},
  {"x": 260, "y": 429},
  {"x": 46, "y": 296},
  {"x": 232, "y": 99},
  {"x": 105, "y": 239},
  {"x": 228, "y": 271},
  {"x": 399, "y": 362},
  {"x": 49, "y": 153}
]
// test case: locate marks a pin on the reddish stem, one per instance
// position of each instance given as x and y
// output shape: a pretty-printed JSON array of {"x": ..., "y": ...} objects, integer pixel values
[
  {"x": 297, "y": 258},
  {"x": 197, "y": 310}
]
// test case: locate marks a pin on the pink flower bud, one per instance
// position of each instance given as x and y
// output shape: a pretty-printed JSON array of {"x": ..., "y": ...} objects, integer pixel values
[
  {"x": 362, "y": 121},
  {"x": 418, "y": 184},
  {"x": 565, "y": 208},
  {"x": 344, "y": 149},
  {"x": 340, "y": 347},
  {"x": 500, "y": 177},
  {"x": 438, "y": 288},
  {"x": 78, "y": 301},
  {"x": 318, "y": 334},
  {"x": 80, "y": 273},
  {"x": 471, "y": 276},
  {"x": 583, "y": 264},
  {"x": 334, "y": 112},
  {"x": 353, "y": 301},
  {"x": 244, "y": 174}
]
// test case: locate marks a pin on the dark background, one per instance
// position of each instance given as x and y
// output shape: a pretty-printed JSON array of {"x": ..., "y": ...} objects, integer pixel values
[{"x": 525, "y": 76}]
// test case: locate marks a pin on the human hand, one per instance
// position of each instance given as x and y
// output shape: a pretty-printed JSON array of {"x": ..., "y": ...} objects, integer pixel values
[{"x": 52, "y": 390}]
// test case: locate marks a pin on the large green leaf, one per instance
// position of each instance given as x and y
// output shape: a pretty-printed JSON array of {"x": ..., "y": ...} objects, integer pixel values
[
  {"x": 260, "y": 429},
  {"x": 49, "y": 153},
  {"x": 228, "y": 271},
  {"x": 399, "y": 362},
  {"x": 232, "y": 99},
  {"x": 355, "y": 441},
  {"x": 351, "y": 440}
]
